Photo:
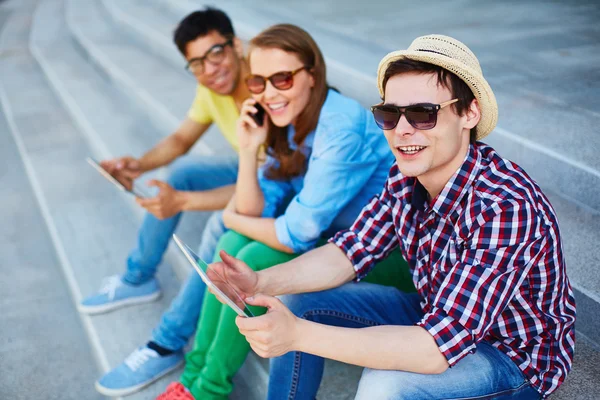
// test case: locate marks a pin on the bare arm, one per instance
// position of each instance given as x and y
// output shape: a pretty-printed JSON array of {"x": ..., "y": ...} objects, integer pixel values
[
  {"x": 256, "y": 228},
  {"x": 323, "y": 268},
  {"x": 251, "y": 200},
  {"x": 249, "y": 196},
  {"x": 388, "y": 347},
  {"x": 207, "y": 200},
  {"x": 173, "y": 146}
]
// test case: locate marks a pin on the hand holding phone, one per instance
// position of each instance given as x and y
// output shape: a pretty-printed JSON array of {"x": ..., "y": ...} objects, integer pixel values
[{"x": 251, "y": 128}]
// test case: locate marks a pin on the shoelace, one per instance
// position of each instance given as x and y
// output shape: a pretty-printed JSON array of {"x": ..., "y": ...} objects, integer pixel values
[
  {"x": 110, "y": 286},
  {"x": 139, "y": 357}
]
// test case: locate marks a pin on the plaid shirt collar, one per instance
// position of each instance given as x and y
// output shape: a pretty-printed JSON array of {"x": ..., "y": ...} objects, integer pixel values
[{"x": 458, "y": 185}]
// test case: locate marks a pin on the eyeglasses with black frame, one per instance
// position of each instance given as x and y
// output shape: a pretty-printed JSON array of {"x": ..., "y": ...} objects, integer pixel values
[
  {"x": 215, "y": 55},
  {"x": 283, "y": 80},
  {"x": 420, "y": 116}
]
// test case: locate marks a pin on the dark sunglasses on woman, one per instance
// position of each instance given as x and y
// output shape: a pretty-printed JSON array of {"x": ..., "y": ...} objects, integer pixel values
[
  {"x": 283, "y": 80},
  {"x": 420, "y": 116}
]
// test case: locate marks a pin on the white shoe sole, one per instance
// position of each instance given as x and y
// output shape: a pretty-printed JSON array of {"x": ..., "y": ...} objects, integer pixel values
[
  {"x": 133, "y": 389},
  {"x": 100, "y": 309}
]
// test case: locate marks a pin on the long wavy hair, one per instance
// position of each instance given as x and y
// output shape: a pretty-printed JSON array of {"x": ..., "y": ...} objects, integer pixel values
[{"x": 297, "y": 41}]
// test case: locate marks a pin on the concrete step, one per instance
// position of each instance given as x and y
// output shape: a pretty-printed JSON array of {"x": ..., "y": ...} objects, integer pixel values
[
  {"x": 164, "y": 91},
  {"x": 112, "y": 127},
  {"x": 43, "y": 343},
  {"x": 92, "y": 226},
  {"x": 146, "y": 23}
]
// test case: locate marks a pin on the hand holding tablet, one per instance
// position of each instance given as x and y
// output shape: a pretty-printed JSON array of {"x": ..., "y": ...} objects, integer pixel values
[
  {"x": 119, "y": 180},
  {"x": 215, "y": 281}
]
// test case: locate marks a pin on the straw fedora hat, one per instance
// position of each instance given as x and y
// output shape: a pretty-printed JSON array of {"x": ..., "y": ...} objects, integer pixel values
[{"x": 454, "y": 56}]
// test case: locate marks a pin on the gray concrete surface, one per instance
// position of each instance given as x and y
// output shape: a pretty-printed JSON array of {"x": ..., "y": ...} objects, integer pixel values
[
  {"x": 44, "y": 349},
  {"x": 105, "y": 84}
]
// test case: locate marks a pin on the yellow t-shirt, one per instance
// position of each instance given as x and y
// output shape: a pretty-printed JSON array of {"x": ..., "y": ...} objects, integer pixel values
[{"x": 209, "y": 107}]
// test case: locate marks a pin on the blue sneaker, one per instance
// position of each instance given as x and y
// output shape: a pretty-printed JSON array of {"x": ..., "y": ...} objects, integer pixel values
[
  {"x": 140, "y": 368},
  {"x": 115, "y": 294}
]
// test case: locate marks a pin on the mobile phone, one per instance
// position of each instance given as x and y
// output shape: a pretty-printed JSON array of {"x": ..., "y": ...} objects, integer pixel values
[{"x": 259, "y": 116}]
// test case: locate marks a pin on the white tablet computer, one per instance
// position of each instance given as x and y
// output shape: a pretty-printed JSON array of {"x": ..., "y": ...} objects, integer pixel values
[
  {"x": 200, "y": 266},
  {"x": 135, "y": 191}
]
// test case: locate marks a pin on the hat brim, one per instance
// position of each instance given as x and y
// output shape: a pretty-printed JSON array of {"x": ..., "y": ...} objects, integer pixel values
[{"x": 474, "y": 79}]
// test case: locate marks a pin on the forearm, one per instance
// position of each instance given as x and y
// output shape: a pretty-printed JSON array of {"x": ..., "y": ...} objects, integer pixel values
[
  {"x": 208, "y": 200},
  {"x": 323, "y": 268},
  {"x": 163, "y": 153},
  {"x": 398, "y": 348},
  {"x": 259, "y": 229},
  {"x": 249, "y": 197}
]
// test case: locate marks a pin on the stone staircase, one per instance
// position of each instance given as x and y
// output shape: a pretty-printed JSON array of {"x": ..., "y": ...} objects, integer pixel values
[{"x": 101, "y": 78}]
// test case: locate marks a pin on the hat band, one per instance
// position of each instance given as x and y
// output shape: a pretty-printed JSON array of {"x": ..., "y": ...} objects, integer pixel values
[{"x": 431, "y": 51}]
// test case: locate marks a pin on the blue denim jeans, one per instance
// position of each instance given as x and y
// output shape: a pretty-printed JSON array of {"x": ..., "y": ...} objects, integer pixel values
[
  {"x": 190, "y": 173},
  {"x": 178, "y": 324},
  {"x": 485, "y": 374}
]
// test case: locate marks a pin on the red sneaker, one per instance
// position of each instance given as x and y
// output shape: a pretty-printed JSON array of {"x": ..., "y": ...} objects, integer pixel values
[{"x": 175, "y": 391}]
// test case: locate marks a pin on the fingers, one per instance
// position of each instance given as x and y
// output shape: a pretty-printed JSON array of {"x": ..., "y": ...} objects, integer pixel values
[
  {"x": 248, "y": 326},
  {"x": 108, "y": 165},
  {"x": 123, "y": 162},
  {"x": 231, "y": 262},
  {"x": 148, "y": 202},
  {"x": 248, "y": 120},
  {"x": 263, "y": 300},
  {"x": 158, "y": 184}
]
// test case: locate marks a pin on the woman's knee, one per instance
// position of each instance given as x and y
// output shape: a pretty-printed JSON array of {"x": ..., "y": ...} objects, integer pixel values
[
  {"x": 232, "y": 243},
  {"x": 259, "y": 256}
]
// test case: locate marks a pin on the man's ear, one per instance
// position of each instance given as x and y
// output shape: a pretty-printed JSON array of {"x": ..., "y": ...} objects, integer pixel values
[
  {"x": 473, "y": 115},
  {"x": 238, "y": 46}
]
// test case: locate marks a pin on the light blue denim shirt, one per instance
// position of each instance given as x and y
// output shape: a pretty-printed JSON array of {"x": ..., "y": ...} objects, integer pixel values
[{"x": 348, "y": 163}]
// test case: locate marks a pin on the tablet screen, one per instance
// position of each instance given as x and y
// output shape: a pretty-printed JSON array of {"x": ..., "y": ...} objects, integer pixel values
[{"x": 221, "y": 289}]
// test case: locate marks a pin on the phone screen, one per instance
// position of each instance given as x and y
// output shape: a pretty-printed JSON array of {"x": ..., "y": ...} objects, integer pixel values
[{"x": 259, "y": 116}]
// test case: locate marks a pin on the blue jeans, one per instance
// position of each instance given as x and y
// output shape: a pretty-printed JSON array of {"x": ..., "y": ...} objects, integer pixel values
[
  {"x": 487, "y": 373},
  {"x": 190, "y": 173}
]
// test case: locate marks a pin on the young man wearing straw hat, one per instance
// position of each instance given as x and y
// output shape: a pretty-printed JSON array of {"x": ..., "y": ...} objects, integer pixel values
[{"x": 494, "y": 312}]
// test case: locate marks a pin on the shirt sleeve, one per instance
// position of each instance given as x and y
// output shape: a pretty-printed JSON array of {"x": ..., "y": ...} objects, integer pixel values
[
  {"x": 372, "y": 236},
  {"x": 481, "y": 284},
  {"x": 199, "y": 111},
  {"x": 339, "y": 167}
]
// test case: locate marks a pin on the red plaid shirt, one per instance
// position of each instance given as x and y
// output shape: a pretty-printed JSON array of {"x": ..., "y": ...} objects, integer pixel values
[{"x": 486, "y": 259}]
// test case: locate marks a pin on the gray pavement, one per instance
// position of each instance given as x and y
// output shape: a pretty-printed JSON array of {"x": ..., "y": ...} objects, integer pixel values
[
  {"x": 44, "y": 349},
  {"x": 104, "y": 79}
]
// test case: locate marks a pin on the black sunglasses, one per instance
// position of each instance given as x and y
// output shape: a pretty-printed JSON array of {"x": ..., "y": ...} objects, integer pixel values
[
  {"x": 215, "y": 55},
  {"x": 281, "y": 80},
  {"x": 419, "y": 116}
]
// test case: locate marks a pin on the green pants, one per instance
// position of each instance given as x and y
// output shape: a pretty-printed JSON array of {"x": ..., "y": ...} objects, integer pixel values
[{"x": 219, "y": 348}]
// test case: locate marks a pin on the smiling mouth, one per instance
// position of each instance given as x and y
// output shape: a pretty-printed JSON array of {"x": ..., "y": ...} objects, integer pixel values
[
  {"x": 410, "y": 150},
  {"x": 277, "y": 106},
  {"x": 219, "y": 80}
]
